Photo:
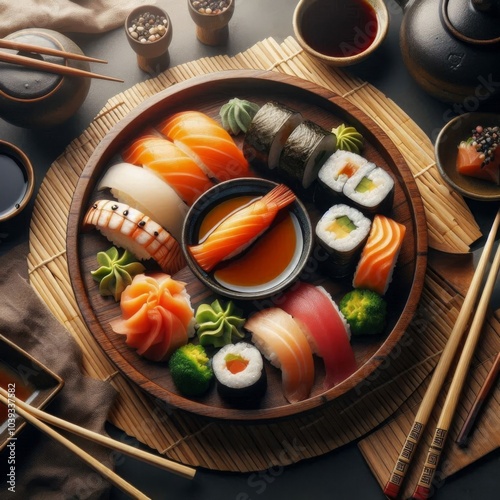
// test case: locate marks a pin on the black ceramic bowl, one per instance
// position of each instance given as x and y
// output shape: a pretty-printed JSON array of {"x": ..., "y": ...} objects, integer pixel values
[
  {"x": 246, "y": 187},
  {"x": 446, "y": 151}
]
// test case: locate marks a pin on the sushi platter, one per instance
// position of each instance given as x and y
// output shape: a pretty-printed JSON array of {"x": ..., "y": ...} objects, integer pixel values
[{"x": 321, "y": 110}]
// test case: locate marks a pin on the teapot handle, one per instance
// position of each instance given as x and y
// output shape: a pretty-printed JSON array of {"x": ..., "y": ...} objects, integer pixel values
[{"x": 482, "y": 5}]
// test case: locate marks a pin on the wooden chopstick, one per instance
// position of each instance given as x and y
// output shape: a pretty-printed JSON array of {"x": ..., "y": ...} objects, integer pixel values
[
  {"x": 111, "y": 476},
  {"x": 463, "y": 436},
  {"x": 407, "y": 452},
  {"x": 423, "y": 488},
  {"x": 169, "y": 465},
  {"x": 60, "y": 69},
  {"x": 38, "y": 49}
]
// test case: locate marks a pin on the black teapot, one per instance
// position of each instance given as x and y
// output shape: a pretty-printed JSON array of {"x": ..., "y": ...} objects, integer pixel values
[{"x": 452, "y": 49}]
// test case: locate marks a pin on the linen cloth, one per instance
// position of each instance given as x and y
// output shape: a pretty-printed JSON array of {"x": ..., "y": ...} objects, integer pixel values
[
  {"x": 66, "y": 16},
  {"x": 45, "y": 469}
]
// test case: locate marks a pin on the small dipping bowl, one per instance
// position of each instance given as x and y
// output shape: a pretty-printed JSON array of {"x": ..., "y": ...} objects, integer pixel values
[
  {"x": 152, "y": 56},
  {"x": 211, "y": 28},
  {"x": 446, "y": 151},
  {"x": 17, "y": 181},
  {"x": 247, "y": 187},
  {"x": 340, "y": 32}
]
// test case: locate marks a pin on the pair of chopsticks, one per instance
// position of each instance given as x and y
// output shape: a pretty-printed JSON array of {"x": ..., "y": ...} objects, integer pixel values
[
  {"x": 423, "y": 488},
  {"x": 48, "y": 66},
  {"x": 38, "y": 418}
]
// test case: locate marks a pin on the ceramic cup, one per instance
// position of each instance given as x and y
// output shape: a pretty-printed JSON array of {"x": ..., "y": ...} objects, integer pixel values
[
  {"x": 211, "y": 29},
  {"x": 152, "y": 57},
  {"x": 17, "y": 181},
  {"x": 317, "y": 25}
]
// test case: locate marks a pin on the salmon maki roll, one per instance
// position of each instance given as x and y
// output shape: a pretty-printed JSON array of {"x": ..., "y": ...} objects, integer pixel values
[
  {"x": 206, "y": 142},
  {"x": 379, "y": 255},
  {"x": 176, "y": 168},
  {"x": 240, "y": 229},
  {"x": 281, "y": 341}
]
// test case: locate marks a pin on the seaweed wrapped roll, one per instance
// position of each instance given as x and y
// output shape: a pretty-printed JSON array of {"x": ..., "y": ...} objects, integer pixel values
[
  {"x": 240, "y": 375},
  {"x": 342, "y": 231},
  {"x": 305, "y": 151},
  {"x": 371, "y": 190},
  {"x": 268, "y": 132}
]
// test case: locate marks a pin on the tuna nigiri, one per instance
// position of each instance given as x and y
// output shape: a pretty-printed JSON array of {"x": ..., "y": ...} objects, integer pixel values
[
  {"x": 165, "y": 159},
  {"x": 157, "y": 317},
  {"x": 325, "y": 328},
  {"x": 206, "y": 141},
  {"x": 282, "y": 342},
  {"x": 129, "y": 228},
  {"x": 379, "y": 255},
  {"x": 237, "y": 231}
]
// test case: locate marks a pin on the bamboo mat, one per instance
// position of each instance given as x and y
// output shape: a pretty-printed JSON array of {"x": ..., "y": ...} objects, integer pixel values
[{"x": 220, "y": 445}]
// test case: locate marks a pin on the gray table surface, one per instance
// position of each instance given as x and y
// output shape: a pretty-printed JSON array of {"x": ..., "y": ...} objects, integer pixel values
[{"x": 342, "y": 474}]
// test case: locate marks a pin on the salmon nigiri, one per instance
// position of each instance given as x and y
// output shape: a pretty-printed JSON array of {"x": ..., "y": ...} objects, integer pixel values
[
  {"x": 165, "y": 159},
  {"x": 379, "y": 255},
  {"x": 237, "y": 231},
  {"x": 157, "y": 317},
  {"x": 282, "y": 342},
  {"x": 206, "y": 141},
  {"x": 129, "y": 228},
  {"x": 326, "y": 329}
]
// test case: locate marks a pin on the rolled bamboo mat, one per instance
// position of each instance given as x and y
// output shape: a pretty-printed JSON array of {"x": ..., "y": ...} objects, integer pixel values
[{"x": 222, "y": 445}]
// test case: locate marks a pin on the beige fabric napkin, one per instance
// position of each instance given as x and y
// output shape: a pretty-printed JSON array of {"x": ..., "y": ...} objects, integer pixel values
[
  {"x": 44, "y": 468},
  {"x": 75, "y": 16}
]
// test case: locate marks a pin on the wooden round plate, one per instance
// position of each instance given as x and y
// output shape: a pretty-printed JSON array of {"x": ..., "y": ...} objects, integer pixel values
[{"x": 208, "y": 94}]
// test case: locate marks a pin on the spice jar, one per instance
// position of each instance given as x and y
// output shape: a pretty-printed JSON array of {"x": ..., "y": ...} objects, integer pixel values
[
  {"x": 211, "y": 18},
  {"x": 33, "y": 98}
]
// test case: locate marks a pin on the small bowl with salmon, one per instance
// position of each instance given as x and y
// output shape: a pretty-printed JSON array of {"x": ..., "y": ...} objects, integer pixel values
[
  {"x": 467, "y": 152},
  {"x": 247, "y": 238}
]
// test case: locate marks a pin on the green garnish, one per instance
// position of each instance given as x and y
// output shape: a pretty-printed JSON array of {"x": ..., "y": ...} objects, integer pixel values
[
  {"x": 237, "y": 114},
  {"x": 348, "y": 139}
]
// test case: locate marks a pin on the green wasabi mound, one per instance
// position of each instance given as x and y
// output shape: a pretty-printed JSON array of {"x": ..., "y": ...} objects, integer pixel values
[
  {"x": 237, "y": 114},
  {"x": 348, "y": 139},
  {"x": 190, "y": 370},
  {"x": 365, "y": 311},
  {"x": 219, "y": 324},
  {"x": 116, "y": 271}
]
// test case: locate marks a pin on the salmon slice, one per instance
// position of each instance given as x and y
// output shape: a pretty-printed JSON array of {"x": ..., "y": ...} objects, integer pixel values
[
  {"x": 470, "y": 163},
  {"x": 379, "y": 255},
  {"x": 176, "y": 168},
  {"x": 129, "y": 228},
  {"x": 326, "y": 330},
  {"x": 208, "y": 143},
  {"x": 237, "y": 231},
  {"x": 284, "y": 345}
]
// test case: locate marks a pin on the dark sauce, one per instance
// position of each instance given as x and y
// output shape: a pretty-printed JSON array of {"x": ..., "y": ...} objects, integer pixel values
[
  {"x": 12, "y": 383},
  {"x": 339, "y": 28},
  {"x": 13, "y": 184}
]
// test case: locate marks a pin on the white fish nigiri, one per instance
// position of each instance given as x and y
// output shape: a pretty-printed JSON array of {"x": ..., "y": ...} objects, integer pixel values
[{"x": 149, "y": 193}]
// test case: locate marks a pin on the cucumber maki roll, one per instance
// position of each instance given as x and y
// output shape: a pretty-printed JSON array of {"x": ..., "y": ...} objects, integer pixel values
[
  {"x": 342, "y": 231},
  {"x": 239, "y": 373},
  {"x": 371, "y": 190},
  {"x": 305, "y": 151},
  {"x": 267, "y": 133}
]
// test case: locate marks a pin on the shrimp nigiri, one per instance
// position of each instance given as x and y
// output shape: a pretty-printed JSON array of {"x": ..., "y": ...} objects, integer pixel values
[
  {"x": 165, "y": 159},
  {"x": 129, "y": 228},
  {"x": 379, "y": 255},
  {"x": 282, "y": 342},
  {"x": 237, "y": 231},
  {"x": 206, "y": 141}
]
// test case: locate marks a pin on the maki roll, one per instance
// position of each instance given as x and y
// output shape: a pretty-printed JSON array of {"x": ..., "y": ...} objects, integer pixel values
[
  {"x": 339, "y": 168},
  {"x": 370, "y": 189},
  {"x": 240, "y": 375},
  {"x": 342, "y": 231},
  {"x": 267, "y": 133},
  {"x": 304, "y": 152}
]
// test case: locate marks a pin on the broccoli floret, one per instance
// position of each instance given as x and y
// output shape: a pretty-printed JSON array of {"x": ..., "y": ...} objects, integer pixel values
[
  {"x": 365, "y": 311},
  {"x": 190, "y": 369}
]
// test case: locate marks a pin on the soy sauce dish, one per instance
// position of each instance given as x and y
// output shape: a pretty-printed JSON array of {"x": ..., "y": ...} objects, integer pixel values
[{"x": 269, "y": 263}]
